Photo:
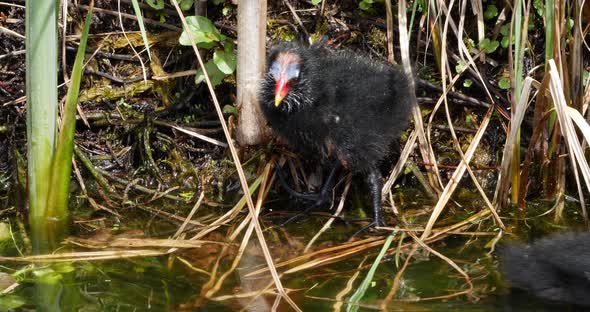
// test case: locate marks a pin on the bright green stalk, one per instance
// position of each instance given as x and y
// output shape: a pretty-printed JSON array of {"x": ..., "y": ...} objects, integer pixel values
[
  {"x": 146, "y": 42},
  {"x": 549, "y": 30},
  {"x": 518, "y": 29},
  {"x": 549, "y": 44},
  {"x": 362, "y": 289},
  {"x": 57, "y": 201},
  {"x": 41, "y": 64}
]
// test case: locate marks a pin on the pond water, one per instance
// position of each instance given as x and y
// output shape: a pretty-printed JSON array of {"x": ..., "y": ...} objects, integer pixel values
[{"x": 182, "y": 281}]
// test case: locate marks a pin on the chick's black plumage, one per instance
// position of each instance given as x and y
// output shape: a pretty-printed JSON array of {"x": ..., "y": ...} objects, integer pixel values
[
  {"x": 338, "y": 105},
  {"x": 555, "y": 268}
]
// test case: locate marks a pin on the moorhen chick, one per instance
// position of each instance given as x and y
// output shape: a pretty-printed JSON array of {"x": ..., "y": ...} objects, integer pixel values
[
  {"x": 555, "y": 268},
  {"x": 337, "y": 105}
]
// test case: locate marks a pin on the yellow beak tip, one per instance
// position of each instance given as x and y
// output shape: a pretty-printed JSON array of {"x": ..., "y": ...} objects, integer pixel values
[{"x": 278, "y": 101}]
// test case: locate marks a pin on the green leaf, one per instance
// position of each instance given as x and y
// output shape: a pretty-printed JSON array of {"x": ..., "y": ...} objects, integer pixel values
[
  {"x": 489, "y": 45},
  {"x": 538, "y": 5},
  {"x": 185, "y": 5},
  {"x": 504, "y": 83},
  {"x": 214, "y": 73},
  {"x": 230, "y": 110},
  {"x": 491, "y": 12},
  {"x": 505, "y": 29},
  {"x": 61, "y": 167},
  {"x": 467, "y": 83},
  {"x": 202, "y": 29},
  {"x": 10, "y": 302},
  {"x": 226, "y": 62},
  {"x": 316, "y": 2},
  {"x": 48, "y": 276},
  {"x": 504, "y": 42},
  {"x": 569, "y": 24},
  {"x": 366, "y": 5},
  {"x": 156, "y": 4},
  {"x": 460, "y": 66},
  {"x": 63, "y": 267}
]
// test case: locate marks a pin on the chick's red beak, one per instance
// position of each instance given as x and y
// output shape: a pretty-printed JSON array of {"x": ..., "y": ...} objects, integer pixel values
[{"x": 281, "y": 90}]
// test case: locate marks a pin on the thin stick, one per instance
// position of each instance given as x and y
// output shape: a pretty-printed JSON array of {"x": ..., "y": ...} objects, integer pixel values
[{"x": 239, "y": 169}]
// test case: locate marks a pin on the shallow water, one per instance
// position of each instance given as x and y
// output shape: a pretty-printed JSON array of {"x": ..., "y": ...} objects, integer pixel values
[{"x": 169, "y": 283}]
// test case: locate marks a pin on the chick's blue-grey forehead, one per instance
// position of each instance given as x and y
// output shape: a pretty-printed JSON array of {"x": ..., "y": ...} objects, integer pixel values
[{"x": 290, "y": 68}]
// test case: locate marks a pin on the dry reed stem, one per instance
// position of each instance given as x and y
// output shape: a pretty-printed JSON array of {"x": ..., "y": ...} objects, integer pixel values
[
  {"x": 389, "y": 21},
  {"x": 200, "y": 136},
  {"x": 235, "y": 157},
  {"x": 397, "y": 278},
  {"x": 425, "y": 147},
  {"x": 192, "y": 267},
  {"x": 399, "y": 165},
  {"x": 340, "y": 296},
  {"x": 228, "y": 215},
  {"x": 336, "y": 213},
  {"x": 373, "y": 241},
  {"x": 569, "y": 132},
  {"x": 85, "y": 256},
  {"x": 462, "y": 48},
  {"x": 446, "y": 259},
  {"x": 457, "y": 174},
  {"x": 449, "y": 119},
  {"x": 143, "y": 69},
  {"x": 501, "y": 193},
  {"x": 190, "y": 216},
  {"x": 443, "y": 99},
  {"x": 245, "y": 239}
]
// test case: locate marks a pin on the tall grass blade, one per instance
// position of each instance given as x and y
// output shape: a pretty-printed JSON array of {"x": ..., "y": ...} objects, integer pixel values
[
  {"x": 144, "y": 37},
  {"x": 61, "y": 169},
  {"x": 360, "y": 292},
  {"x": 519, "y": 33}
]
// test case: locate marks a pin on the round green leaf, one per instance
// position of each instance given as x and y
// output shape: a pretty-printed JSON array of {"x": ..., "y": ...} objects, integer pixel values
[
  {"x": 226, "y": 62},
  {"x": 504, "y": 83},
  {"x": 230, "y": 110},
  {"x": 185, "y": 5},
  {"x": 215, "y": 75},
  {"x": 491, "y": 12},
  {"x": 489, "y": 45},
  {"x": 202, "y": 29},
  {"x": 365, "y": 5},
  {"x": 156, "y": 4}
]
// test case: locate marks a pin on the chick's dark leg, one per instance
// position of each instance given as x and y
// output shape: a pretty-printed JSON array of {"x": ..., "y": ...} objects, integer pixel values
[
  {"x": 326, "y": 190},
  {"x": 318, "y": 198},
  {"x": 375, "y": 185},
  {"x": 292, "y": 192}
]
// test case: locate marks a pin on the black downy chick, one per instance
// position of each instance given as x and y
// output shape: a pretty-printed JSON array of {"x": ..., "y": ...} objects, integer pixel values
[
  {"x": 555, "y": 268},
  {"x": 337, "y": 105}
]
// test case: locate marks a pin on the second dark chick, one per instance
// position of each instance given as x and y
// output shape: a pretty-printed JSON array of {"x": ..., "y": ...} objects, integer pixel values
[{"x": 337, "y": 105}]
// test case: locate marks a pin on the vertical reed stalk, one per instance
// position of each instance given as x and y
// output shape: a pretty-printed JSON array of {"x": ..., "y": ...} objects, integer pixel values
[{"x": 42, "y": 105}]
